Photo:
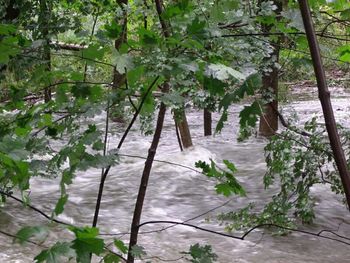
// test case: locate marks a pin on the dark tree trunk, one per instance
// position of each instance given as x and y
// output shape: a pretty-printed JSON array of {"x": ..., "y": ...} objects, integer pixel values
[
  {"x": 151, "y": 152},
  {"x": 144, "y": 180},
  {"x": 182, "y": 124},
  {"x": 324, "y": 96},
  {"x": 178, "y": 135},
  {"x": 47, "y": 63},
  {"x": 11, "y": 12},
  {"x": 269, "y": 119},
  {"x": 207, "y": 122},
  {"x": 44, "y": 18},
  {"x": 119, "y": 78}
]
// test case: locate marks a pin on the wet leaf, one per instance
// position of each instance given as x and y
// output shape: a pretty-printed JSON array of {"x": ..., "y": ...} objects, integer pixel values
[
  {"x": 55, "y": 253},
  {"x": 37, "y": 232}
]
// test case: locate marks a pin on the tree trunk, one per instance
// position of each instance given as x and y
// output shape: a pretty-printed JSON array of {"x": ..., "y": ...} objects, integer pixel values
[
  {"x": 181, "y": 121},
  {"x": 269, "y": 119},
  {"x": 144, "y": 180},
  {"x": 119, "y": 78},
  {"x": 11, "y": 12},
  {"x": 324, "y": 96},
  {"x": 178, "y": 135},
  {"x": 207, "y": 122},
  {"x": 151, "y": 152},
  {"x": 44, "y": 18}
]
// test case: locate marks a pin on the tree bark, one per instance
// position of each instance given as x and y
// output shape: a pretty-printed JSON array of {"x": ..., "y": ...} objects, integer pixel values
[
  {"x": 182, "y": 124},
  {"x": 44, "y": 18},
  {"x": 207, "y": 122},
  {"x": 119, "y": 78},
  {"x": 144, "y": 180},
  {"x": 269, "y": 119},
  {"x": 178, "y": 135},
  {"x": 151, "y": 152},
  {"x": 324, "y": 96},
  {"x": 11, "y": 12}
]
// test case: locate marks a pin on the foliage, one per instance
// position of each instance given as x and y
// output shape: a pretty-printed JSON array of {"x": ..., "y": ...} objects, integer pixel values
[
  {"x": 201, "y": 254},
  {"x": 228, "y": 184},
  {"x": 295, "y": 163},
  {"x": 213, "y": 58}
]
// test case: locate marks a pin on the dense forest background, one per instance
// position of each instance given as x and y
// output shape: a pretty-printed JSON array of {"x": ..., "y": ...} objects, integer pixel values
[{"x": 78, "y": 78}]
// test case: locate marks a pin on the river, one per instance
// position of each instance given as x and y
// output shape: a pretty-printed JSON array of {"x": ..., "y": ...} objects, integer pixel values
[{"x": 179, "y": 194}]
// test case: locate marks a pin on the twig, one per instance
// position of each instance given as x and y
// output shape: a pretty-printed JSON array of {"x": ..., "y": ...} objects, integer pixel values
[
  {"x": 34, "y": 134},
  {"x": 14, "y": 236},
  {"x": 161, "y": 161},
  {"x": 163, "y": 259},
  {"x": 35, "y": 209},
  {"x": 106, "y": 171},
  {"x": 247, "y": 232}
]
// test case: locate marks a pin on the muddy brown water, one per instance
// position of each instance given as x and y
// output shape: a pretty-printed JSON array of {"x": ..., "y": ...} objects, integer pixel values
[{"x": 179, "y": 194}]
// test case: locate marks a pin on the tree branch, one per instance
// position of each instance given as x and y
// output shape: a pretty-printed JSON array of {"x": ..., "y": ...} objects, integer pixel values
[{"x": 34, "y": 208}]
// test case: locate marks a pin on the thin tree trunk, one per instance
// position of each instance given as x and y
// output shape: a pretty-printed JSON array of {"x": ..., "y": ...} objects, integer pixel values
[
  {"x": 207, "y": 122},
  {"x": 12, "y": 12},
  {"x": 182, "y": 124},
  {"x": 178, "y": 135},
  {"x": 118, "y": 77},
  {"x": 269, "y": 119},
  {"x": 144, "y": 180},
  {"x": 151, "y": 152},
  {"x": 106, "y": 171},
  {"x": 324, "y": 96},
  {"x": 44, "y": 18}
]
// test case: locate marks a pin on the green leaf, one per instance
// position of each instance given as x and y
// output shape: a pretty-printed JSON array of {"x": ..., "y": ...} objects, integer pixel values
[
  {"x": 93, "y": 52},
  {"x": 249, "y": 115},
  {"x": 344, "y": 53},
  {"x": 111, "y": 258},
  {"x": 113, "y": 30},
  {"x": 98, "y": 145},
  {"x": 222, "y": 120},
  {"x": 196, "y": 27},
  {"x": 60, "y": 205},
  {"x": 214, "y": 86},
  {"x": 201, "y": 254},
  {"x": 6, "y": 29},
  {"x": 222, "y": 72},
  {"x": 228, "y": 184},
  {"x": 249, "y": 86},
  {"x": 85, "y": 246},
  {"x": 345, "y": 14},
  {"x": 294, "y": 16},
  {"x": 121, "y": 246},
  {"x": 81, "y": 90},
  {"x": 138, "y": 251},
  {"x": 8, "y": 48},
  {"x": 122, "y": 62},
  {"x": 171, "y": 11},
  {"x": 85, "y": 232},
  {"x": 230, "y": 166},
  {"x": 37, "y": 232},
  {"x": 148, "y": 37},
  {"x": 86, "y": 243},
  {"x": 224, "y": 189},
  {"x": 173, "y": 98},
  {"x": 55, "y": 253}
]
